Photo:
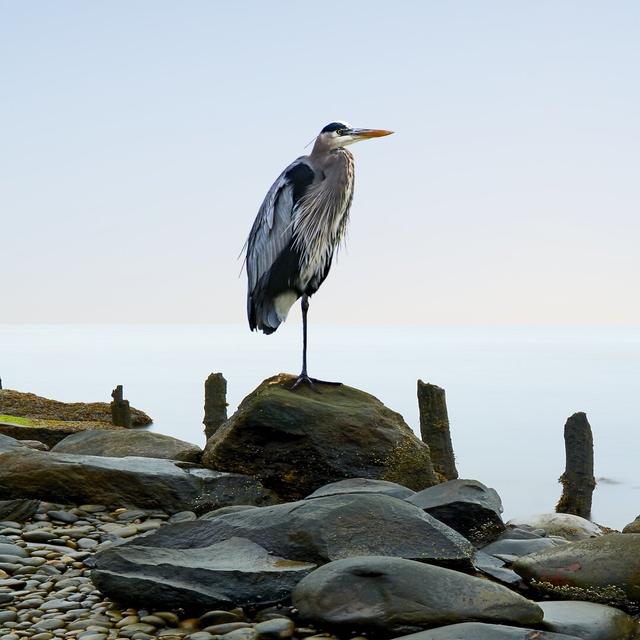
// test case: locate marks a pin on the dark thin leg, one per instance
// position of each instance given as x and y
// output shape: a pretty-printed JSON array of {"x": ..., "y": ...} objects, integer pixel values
[{"x": 304, "y": 377}]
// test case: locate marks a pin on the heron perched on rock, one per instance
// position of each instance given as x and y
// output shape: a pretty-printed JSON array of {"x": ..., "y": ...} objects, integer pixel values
[{"x": 297, "y": 230}]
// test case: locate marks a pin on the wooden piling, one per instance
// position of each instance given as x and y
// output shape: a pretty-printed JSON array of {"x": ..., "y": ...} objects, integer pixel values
[
  {"x": 434, "y": 429},
  {"x": 120, "y": 409},
  {"x": 578, "y": 481},
  {"x": 215, "y": 403}
]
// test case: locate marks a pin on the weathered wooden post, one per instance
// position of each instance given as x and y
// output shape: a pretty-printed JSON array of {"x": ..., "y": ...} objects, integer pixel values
[
  {"x": 434, "y": 429},
  {"x": 577, "y": 480},
  {"x": 215, "y": 403},
  {"x": 120, "y": 409}
]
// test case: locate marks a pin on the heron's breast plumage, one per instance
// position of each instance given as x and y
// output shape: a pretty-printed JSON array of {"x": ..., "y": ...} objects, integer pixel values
[{"x": 320, "y": 218}]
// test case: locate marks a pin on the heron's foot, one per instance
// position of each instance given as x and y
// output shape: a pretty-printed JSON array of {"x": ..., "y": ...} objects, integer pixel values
[{"x": 303, "y": 378}]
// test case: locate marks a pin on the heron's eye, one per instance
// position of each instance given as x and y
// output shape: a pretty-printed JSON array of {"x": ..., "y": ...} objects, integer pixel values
[{"x": 341, "y": 132}]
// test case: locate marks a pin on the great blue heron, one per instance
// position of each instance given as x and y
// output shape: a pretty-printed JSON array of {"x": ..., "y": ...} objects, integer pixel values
[{"x": 298, "y": 227}]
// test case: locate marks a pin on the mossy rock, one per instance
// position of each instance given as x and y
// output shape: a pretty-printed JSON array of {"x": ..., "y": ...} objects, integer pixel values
[
  {"x": 296, "y": 442},
  {"x": 29, "y": 405}
]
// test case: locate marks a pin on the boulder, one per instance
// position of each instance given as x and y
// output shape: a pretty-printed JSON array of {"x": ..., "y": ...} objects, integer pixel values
[
  {"x": 234, "y": 572},
  {"x": 565, "y": 525},
  {"x": 467, "y": 506},
  {"x": 604, "y": 569},
  {"x": 118, "y": 444},
  {"x": 481, "y": 631},
  {"x": 138, "y": 482},
  {"x": 393, "y": 595},
  {"x": 324, "y": 529},
  {"x": 588, "y": 620},
  {"x": 296, "y": 442},
  {"x": 363, "y": 485},
  {"x": 633, "y": 527}
]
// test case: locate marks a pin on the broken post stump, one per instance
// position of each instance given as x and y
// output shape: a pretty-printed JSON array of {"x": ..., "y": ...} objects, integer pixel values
[
  {"x": 215, "y": 403},
  {"x": 577, "y": 480},
  {"x": 120, "y": 409},
  {"x": 434, "y": 429}
]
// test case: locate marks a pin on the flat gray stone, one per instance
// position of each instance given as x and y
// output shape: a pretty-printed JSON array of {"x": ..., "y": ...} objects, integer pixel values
[
  {"x": 131, "y": 481},
  {"x": 12, "y": 550},
  {"x": 233, "y": 572},
  {"x": 393, "y": 595},
  {"x": 480, "y": 631},
  {"x": 325, "y": 529},
  {"x": 121, "y": 443}
]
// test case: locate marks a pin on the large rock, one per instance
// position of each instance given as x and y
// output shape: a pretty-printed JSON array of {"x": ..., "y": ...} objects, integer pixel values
[
  {"x": 319, "y": 531},
  {"x": 393, "y": 595},
  {"x": 467, "y": 506},
  {"x": 118, "y": 444},
  {"x": 632, "y": 527},
  {"x": 132, "y": 481},
  {"x": 363, "y": 485},
  {"x": 482, "y": 631},
  {"x": 604, "y": 569},
  {"x": 296, "y": 442},
  {"x": 235, "y": 572},
  {"x": 565, "y": 525},
  {"x": 588, "y": 620}
]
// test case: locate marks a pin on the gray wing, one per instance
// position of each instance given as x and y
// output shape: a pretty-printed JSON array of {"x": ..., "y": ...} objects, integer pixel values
[{"x": 270, "y": 260}]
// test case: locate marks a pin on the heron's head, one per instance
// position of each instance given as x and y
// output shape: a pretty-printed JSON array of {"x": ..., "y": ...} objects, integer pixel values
[{"x": 340, "y": 134}]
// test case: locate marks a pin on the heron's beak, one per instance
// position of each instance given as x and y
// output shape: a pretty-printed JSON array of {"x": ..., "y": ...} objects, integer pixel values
[{"x": 364, "y": 134}]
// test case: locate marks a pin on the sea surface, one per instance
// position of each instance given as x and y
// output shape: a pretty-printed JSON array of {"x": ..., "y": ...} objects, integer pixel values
[{"x": 509, "y": 389}]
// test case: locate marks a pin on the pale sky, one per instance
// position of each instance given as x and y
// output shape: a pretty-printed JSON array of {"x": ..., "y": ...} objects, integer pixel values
[{"x": 137, "y": 140}]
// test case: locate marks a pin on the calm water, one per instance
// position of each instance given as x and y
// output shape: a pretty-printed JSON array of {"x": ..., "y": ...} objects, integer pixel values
[{"x": 509, "y": 390}]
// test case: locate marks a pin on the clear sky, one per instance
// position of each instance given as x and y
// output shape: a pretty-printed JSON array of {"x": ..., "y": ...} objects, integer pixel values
[{"x": 137, "y": 140}]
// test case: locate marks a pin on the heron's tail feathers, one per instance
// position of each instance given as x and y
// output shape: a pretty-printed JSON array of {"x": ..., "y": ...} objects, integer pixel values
[{"x": 267, "y": 314}]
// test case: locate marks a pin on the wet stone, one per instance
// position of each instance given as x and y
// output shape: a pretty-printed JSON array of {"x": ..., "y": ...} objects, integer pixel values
[
  {"x": 131, "y": 514},
  {"x": 222, "y": 629},
  {"x": 49, "y": 625},
  {"x": 87, "y": 543},
  {"x": 183, "y": 516},
  {"x": 63, "y": 516},
  {"x": 216, "y": 617},
  {"x": 276, "y": 628},
  {"x": 241, "y": 634},
  {"x": 154, "y": 620},
  {"x": 8, "y": 616},
  {"x": 10, "y": 550},
  {"x": 60, "y": 605},
  {"x": 38, "y": 536}
]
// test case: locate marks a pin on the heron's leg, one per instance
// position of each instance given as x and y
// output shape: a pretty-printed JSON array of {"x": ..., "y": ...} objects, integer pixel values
[
  {"x": 304, "y": 377},
  {"x": 304, "y": 305}
]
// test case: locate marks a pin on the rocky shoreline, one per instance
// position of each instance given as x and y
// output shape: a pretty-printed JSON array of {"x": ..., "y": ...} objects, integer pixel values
[
  {"x": 46, "y": 591},
  {"x": 304, "y": 516}
]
